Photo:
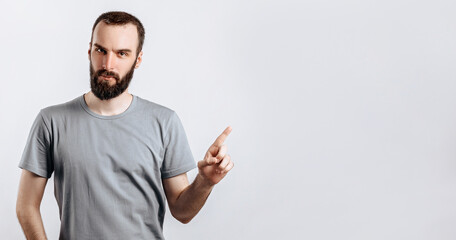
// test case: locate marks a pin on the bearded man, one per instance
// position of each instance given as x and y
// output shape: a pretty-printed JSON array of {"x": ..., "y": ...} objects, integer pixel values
[{"x": 117, "y": 158}]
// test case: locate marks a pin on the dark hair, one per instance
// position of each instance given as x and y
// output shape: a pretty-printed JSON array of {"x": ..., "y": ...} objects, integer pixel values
[{"x": 122, "y": 18}]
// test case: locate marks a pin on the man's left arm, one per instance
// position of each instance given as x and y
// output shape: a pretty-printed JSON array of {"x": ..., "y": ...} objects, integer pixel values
[{"x": 186, "y": 200}]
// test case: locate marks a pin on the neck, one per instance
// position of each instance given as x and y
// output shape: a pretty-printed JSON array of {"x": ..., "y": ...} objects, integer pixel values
[{"x": 111, "y": 107}]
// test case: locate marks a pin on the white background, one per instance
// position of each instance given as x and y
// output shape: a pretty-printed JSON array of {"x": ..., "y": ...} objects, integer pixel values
[{"x": 343, "y": 112}]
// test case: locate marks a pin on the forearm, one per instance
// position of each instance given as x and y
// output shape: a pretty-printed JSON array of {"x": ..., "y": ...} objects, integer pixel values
[
  {"x": 31, "y": 222},
  {"x": 192, "y": 199}
]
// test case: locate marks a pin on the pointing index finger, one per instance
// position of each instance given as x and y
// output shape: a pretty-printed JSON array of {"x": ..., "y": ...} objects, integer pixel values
[{"x": 220, "y": 139}]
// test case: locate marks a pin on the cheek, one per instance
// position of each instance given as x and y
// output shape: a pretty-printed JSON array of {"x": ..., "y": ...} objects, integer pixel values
[
  {"x": 96, "y": 61},
  {"x": 126, "y": 67}
]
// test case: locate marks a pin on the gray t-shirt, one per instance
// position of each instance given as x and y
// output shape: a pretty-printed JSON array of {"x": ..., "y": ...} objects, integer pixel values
[{"x": 108, "y": 170}]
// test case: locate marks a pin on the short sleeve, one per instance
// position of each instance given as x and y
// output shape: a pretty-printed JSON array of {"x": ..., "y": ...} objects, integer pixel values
[
  {"x": 178, "y": 157},
  {"x": 37, "y": 155}
]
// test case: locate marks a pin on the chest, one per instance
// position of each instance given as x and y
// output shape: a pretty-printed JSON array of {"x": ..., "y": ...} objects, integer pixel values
[{"x": 107, "y": 147}]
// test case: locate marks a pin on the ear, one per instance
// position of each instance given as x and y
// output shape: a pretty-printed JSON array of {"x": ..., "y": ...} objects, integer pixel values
[
  {"x": 90, "y": 49},
  {"x": 139, "y": 59}
]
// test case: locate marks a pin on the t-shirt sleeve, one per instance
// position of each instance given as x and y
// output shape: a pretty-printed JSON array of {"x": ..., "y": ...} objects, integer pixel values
[
  {"x": 178, "y": 157},
  {"x": 37, "y": 155}
]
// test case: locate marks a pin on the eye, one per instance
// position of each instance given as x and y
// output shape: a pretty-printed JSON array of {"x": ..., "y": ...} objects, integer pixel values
[
  {"x": 100, "y": 50},
  {"x": 123, "y": 54}
]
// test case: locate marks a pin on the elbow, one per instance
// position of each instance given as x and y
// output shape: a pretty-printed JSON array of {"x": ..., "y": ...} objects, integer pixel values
[
  {"x": 24, "y": 211},
  {"x": 19, "y": 210},
  {"x": 181, "y": 218},
  {"x": 184, "y": 220}
]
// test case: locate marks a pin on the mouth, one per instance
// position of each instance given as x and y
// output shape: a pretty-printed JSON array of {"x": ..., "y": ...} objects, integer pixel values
[{"x": 108, "y": 77}]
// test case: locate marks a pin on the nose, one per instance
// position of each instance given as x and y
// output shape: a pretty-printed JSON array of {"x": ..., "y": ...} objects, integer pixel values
[{"x": 109, "y": 61}]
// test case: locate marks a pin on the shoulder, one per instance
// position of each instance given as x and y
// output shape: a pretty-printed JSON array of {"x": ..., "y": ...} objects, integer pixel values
[
  {"x": 154, "y": 109},
  {"x": 62, "y": 109}
]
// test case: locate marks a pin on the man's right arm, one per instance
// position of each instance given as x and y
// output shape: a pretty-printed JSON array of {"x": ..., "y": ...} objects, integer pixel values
[{"x": 31, "y": 190}]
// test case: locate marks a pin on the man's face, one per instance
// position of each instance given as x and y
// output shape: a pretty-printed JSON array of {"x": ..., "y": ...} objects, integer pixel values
[{"x": 113, "y": 59}]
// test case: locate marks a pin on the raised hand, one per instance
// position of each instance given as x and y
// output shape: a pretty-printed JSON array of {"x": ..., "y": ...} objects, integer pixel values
[{"x": 216, "y": 163}]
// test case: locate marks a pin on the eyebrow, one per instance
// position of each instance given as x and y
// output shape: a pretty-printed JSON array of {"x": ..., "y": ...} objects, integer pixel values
[{"x": 119, "y": 50}]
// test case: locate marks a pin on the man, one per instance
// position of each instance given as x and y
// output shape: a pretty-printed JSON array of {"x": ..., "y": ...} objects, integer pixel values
[{"x": 116, "y": 157}]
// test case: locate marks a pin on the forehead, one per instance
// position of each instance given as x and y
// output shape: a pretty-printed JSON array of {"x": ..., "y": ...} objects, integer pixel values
[{"x": 116, "y": 36}]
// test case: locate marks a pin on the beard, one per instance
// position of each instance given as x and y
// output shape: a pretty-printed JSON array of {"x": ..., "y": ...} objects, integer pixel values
[{"x": 102, "y": 89}]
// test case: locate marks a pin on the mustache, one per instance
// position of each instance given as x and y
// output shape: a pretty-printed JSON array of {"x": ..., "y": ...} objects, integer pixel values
[{"x": 106, "y": 73}]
